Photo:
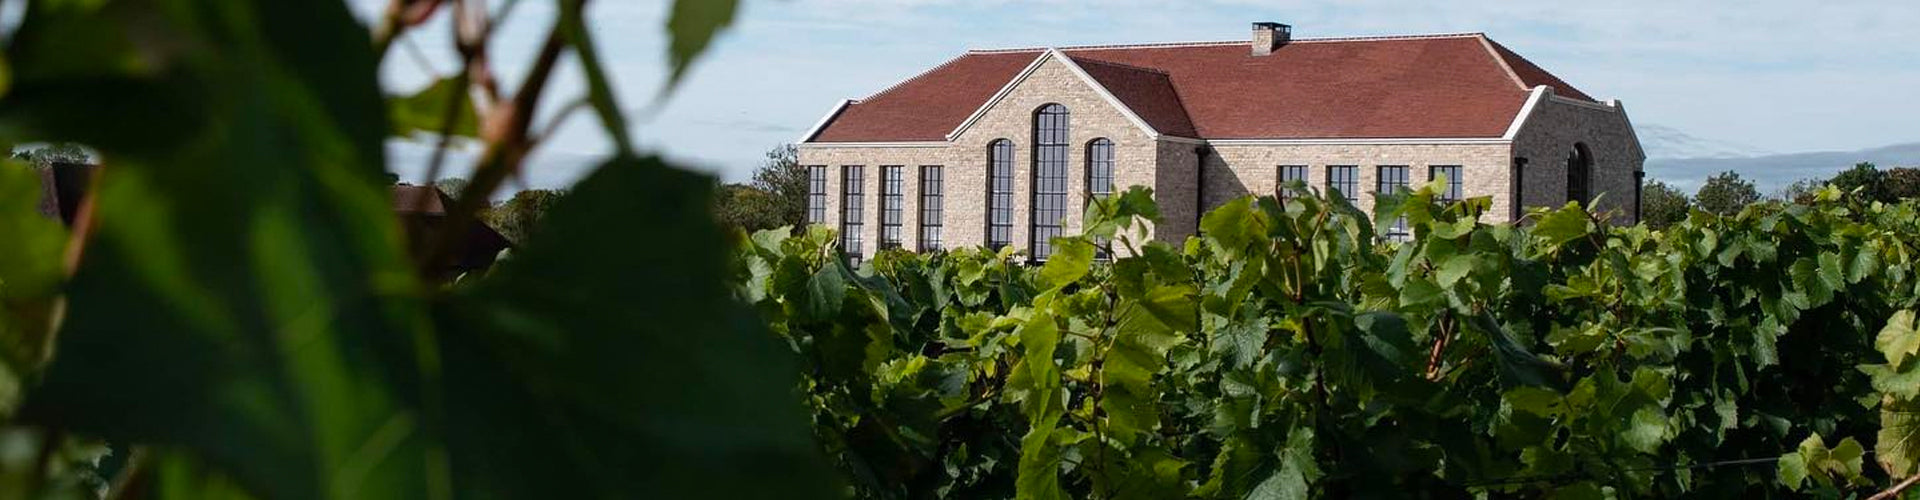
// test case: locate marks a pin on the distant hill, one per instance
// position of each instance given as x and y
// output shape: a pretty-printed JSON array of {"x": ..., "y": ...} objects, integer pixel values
[
  {"x": 1662, "y": 141},
  {"x": 1771, "y": 172}
]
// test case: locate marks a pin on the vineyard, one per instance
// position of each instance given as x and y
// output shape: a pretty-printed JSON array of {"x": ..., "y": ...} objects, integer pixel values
[{"x": 1288, "y": 353}]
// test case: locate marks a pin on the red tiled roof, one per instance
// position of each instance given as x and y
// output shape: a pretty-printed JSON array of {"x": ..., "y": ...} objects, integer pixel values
[
  {"x": 1439, "y": 86},
  {"x": 1535, "y": 76},
  {"x": 1149, "y": 93},
  {"x": 927, "y": 107}
]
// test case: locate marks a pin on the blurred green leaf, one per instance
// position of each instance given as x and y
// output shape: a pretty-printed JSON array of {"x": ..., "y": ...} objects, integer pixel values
[
  {"x": 639, "y": 376},
  {"x": 691, "y": 26},
  {"x": 426, "y": 110}
]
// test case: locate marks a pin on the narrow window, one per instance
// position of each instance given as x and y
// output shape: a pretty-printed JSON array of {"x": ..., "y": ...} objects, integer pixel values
[
  {"x": 932, "y": 206},
  {"x": 851, "y": 179},
  {"x": 1049, "y": 178},
  {"x": 1579, "y": 178},
  {"x": 1639, "y": 181},
  {"x": 817, "y": 194},
  {"x": 1344, "y": 180},
  {"x": 1392, "y": 179},
  {"x": 1100, "y": 180},
  {"x": 1452, "y": 174},
  {"x": 1519, "y": 182},
  {"x": 1000, "y": 194},
  {"x": 892, "y": 180},
  {"x": 1100, "y": 168},
  {"x": 1290, "y": 175}
]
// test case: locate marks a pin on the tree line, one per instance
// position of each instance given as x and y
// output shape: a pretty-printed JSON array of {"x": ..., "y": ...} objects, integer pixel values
[{"x": 1726, "y": 193}]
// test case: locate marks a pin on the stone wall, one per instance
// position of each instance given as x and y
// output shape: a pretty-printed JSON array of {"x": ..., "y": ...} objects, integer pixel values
[
  {"x": 965, "y": 158},
  {"x": 1170, "y": 166},
  {"x": 912, "y": 158},
  {"x": 1549, "y": 136},
  {"x": 1239, "y": 170}
]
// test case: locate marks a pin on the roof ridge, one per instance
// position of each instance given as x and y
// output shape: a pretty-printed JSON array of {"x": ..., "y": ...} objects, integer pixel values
[
  {"x": 923, "y": 74},
  {"x": 1160, "y": 72},
  {"x": 1161, "y": 45}
]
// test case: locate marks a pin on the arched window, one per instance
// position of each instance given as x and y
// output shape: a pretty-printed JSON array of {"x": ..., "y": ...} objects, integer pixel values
[
  {"x": 1580, "y": 174},
  {"x": 1100, "y": 168},
  {"x": 999, "y": 193},
  {"x": 1099, "y": 180},
  {"x": 1049, "y": 177}
]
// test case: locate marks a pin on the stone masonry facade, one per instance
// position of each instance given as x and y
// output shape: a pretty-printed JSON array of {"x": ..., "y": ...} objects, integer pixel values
[{"x": 1190, "y": 176}]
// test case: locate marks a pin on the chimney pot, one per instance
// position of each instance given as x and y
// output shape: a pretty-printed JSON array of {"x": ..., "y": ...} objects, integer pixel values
[{"x": 1268, "y": 36}]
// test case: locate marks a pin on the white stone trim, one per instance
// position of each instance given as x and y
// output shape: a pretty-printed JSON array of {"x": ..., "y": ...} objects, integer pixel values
[
  {"x": 1182, "y": 140},
  {"x": 822, "y": 124},
  {"x": 900, "y": 144},
  {"x": 1540, "y": 93},
  {"x": 1071, "y": 67},
  {"x": 997, "y": 96},
  {"x": 1360, "y": 142}
]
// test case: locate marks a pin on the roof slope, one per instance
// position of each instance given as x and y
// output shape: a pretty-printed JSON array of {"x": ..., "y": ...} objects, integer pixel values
[
  {"x": 1438, "y": 86},
  {"x": 1534, "y": 76},
  {"x": 928, "y": 106},
  {"x": 1149, "y": 93}
]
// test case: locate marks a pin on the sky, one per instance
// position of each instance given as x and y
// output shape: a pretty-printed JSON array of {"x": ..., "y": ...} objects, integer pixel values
[{"x": 1779, "y": 76}]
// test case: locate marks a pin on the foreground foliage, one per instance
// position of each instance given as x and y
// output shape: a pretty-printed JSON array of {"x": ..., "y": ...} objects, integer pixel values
[
  {"x": 1286, "y": 354},
  {"x": 235, "y": 315}
]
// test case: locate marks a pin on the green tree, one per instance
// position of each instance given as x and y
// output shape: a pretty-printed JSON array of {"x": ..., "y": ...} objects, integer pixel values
[
  {"x": 452, "y": 186},
  {"x": 1902, "y": 183},
  {"x": 785, "y": 182},
  {"x": 1661, "y": 205},
  {"x": 748, "y": 208},
  {"x": 1800, "y": 191},
  {"x": 519, "y": 216},
  {"x": 1726, "y": 193},
  {"x": 1864, "y": 181}
]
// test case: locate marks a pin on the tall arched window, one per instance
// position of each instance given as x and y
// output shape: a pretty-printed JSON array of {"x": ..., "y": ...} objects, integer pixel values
[
  {"x": 1100, "y": 168},
  {"x": 1580, "y": 174},
  {"x": 1099, "y": 180},
  {"x": 1049, "y": 177},
  {"x": 999, "y": 193}
]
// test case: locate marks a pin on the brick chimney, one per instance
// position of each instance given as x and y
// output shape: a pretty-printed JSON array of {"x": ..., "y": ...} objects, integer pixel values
[{"x": 1269, "y": 36}]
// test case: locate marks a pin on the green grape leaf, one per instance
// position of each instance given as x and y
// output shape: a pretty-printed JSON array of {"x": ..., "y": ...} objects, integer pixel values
[
  {"x": 425, "y": 111},
  {"x": 1072, "y": 258},
  {"x": 1897, "y": 447},
  {"x": 1791, "y": 470},
  {"x": 1566, "y": 224},
  {"x": 1898, "y": 340}
]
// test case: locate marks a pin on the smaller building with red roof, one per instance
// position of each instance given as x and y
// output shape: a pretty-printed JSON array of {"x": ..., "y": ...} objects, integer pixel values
[{"x": 1005, "y": 147}]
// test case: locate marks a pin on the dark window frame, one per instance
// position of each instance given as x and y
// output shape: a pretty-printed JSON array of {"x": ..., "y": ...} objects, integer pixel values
[
  {"x": 932, "y": 207},
  {"x": 1048, "y": 210},
  {"x": 1289, "y": 173},
  {"x": 1346, "y": 180},
  {"x": 1580, "y": 174},
  {"x": 1391, "y": 179},
  {"x": 999, "y": 193},
  {"x": 852, "y": 209},
  {"x": 1100, "y": 165},
  {"x": 892, "y": 200},
  {"x": 1456, "y": 182},
  {"x": 816, "y": 194},
  {"x": 1100, "y": 184}
]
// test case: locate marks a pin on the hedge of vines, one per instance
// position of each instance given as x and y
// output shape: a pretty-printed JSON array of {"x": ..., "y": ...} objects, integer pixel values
[{"x": 1289, "y": 352}]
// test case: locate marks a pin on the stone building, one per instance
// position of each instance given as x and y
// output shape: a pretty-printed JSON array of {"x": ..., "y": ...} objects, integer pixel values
[{"x": 1003, "y": 147}]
